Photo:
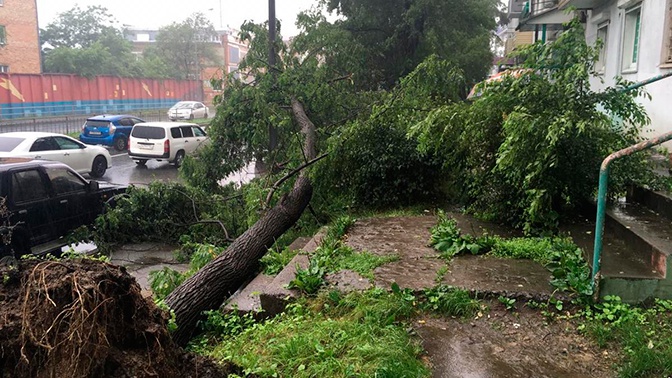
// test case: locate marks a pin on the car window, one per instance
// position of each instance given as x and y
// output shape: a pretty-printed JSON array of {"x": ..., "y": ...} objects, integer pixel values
[
  {"x": 94, "y": 123},
  {"x": 183, "y": 105},
  {"x": 27, "y": 186},
  {"x": 198, "y": 105},
  {"x": 63, "y": 181},
  {"x": 67, "y": 144},
  {"x": 198, "y": 131},
  {"x": 148, "y": 132},
  {"x": 8, "y": 143},
  {"x": 186, "y": 131},
  {"x": 125, "y": 122},
  {"x": 44, "y": 144},
  {"x": 136, "y": 120},
  {"x": 175, "y": 132}
]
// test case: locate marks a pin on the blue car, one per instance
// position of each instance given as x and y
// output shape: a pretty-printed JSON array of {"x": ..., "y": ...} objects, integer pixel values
[{"x": 108, "y": 130}]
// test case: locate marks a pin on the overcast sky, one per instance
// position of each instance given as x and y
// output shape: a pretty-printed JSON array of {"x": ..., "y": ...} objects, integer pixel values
[{"x": 157, "y": 13}]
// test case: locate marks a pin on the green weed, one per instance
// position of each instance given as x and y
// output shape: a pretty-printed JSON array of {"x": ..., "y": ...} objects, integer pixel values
[
  {"x": 644, "y": 335},
  {"x": 559, "y": 255},
  {"x": 273, "y": 262},
  {"x": 509, "y": 303},
  {"x": 448, "y": 301}
]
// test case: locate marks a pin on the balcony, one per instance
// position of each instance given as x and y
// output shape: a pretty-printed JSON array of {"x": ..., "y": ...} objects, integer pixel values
[
  {"x": 543, "y": 12},
  {"x": 581, "y": 4}
]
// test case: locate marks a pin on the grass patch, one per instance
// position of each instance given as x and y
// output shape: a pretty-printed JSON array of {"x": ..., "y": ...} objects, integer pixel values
[
  {"x": 359, "y": 335},
  {"x": 560, "y": 255},
  {"x": 644, "y": 335}
]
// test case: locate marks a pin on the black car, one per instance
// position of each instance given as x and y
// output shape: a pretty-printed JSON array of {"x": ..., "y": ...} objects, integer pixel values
[{"x": 42, "y": 201}]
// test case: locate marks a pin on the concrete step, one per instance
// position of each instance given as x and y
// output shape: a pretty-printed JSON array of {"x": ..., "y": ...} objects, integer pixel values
[
  {"x": 658, "y": 201},
  {"x": 247, "y": 298},
  {"x": 647, "y": 235},
  {"x": 636, "y": 244},
  {"x": 276, "y": 296}
]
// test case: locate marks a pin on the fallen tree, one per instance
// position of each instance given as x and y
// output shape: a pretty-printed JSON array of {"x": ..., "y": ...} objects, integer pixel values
[{"x": 210, "y": 286}]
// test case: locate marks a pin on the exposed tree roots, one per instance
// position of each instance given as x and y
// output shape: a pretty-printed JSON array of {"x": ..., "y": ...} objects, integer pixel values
[{"x": 86, "y": 319}]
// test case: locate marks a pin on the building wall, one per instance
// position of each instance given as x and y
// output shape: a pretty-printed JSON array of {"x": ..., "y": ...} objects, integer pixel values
[
  {"x": 22, "y": 51},
  {"x": 650, "y": 60}
]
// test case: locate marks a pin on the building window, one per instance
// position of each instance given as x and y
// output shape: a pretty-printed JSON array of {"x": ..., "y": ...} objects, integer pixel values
[
  {"x": 667, "y": 38},
  {"x": 4, "y": 69},
  {"x": 234, "y": 54},
  {"x": 631, "y": 31},
  {"x": 602, "y": 39},
  {"x": 3, "y": 35}
]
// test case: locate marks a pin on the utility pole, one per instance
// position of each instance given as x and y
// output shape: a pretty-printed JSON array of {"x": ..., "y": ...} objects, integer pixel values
[{"x": 272, "y": 130}]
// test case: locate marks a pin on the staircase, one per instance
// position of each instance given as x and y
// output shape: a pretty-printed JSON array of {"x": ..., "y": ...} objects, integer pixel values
[
  {"x": 637, "y": 242},
  {"x": 266, "y": 295}
]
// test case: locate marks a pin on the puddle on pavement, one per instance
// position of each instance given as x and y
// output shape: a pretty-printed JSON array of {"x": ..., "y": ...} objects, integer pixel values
[{"x": 498, "y": 344}]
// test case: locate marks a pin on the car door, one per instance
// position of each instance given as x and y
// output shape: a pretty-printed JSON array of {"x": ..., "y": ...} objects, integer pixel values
[
  {"x": 69, "y": 199},
  {"x": 199, "y": 110},
  {"x": 74, "y": 154},
  {"x": 200, "y": 137},
  {"x": 29, "y": 197},
  {"x": 188, "y": 139}
]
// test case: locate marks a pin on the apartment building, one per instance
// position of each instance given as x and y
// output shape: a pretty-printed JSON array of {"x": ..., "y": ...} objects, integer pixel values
[{"x": 19, "y": 39}]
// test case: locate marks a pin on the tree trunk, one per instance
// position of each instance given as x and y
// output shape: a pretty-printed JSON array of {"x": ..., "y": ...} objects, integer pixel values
[{"x": 210, "y": 286}]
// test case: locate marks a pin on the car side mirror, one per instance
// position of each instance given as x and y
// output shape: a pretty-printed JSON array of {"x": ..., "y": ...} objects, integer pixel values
[{"x": 94, "y": 186}]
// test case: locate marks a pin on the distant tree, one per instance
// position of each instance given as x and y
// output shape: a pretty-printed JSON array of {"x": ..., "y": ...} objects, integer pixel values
[
  {"x": 86, "y": 42},
  {"x": 79, "y": 28},
  {"x": 187, "y": 47}
]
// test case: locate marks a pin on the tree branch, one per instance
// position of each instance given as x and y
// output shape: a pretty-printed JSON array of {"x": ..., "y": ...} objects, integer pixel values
[{"x": 290, "y": 174}]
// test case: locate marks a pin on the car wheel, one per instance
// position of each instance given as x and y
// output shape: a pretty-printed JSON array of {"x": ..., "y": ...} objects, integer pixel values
[
  {"x": 120, "y": 144},
  {"x": 206, "y": 114},
  {"x": 141, "y": 162},
  {"x": 179, "y": 159},
  {"x": 98, "y": 167},
  {"x": 191, "y": 116}
]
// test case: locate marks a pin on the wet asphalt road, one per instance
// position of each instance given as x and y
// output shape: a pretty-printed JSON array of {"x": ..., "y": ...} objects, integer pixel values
[{"x": 124, "y": 171}]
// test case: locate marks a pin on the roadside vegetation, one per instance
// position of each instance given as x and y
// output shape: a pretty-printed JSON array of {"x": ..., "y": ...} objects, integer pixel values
[{"x": 391, "y": 130}]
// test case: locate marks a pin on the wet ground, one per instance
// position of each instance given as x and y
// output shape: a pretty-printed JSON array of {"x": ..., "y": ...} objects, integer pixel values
[
  {"x": 499, "y": 342},
  {"x": 141, "y": 259}
]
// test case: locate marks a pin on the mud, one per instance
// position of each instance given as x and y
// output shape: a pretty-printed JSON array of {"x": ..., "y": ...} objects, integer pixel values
[
  {"x": 502, "y": 343},
  {"x": 499, "y": 343}
]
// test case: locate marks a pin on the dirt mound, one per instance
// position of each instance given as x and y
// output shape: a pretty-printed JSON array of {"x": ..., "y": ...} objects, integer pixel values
[{"x": 86, "y": 319}]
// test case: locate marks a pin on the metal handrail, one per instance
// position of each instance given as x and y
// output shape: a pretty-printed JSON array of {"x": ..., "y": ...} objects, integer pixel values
[{"x": 604, "y": 180}]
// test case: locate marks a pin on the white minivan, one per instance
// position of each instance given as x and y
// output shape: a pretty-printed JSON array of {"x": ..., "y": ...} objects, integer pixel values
[{"x": 164, "y": 141}]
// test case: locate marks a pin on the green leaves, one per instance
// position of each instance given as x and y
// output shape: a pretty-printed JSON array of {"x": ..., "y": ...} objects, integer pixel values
[{"x": 527, "y": 151}]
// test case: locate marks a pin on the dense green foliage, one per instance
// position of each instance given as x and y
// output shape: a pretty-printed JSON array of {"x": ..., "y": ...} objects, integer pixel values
[
  {"x": 169, "y": 212},
  {"x": 528, "y": 148},
  {"x": 394, "y": 36},
  {"x": 560, "y": 255}
]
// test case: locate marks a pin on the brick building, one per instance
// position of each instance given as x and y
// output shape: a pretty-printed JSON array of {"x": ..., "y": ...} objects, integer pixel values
[{"x": 19, "y": 40}]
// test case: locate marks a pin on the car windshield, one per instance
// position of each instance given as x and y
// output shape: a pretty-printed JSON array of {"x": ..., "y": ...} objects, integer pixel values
[
  {"x": 148, "y": 132},
  {"x": 182, "y": 105},
  {"x": 7, "y": 144},
  {"x": 91, "y": 123}
]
